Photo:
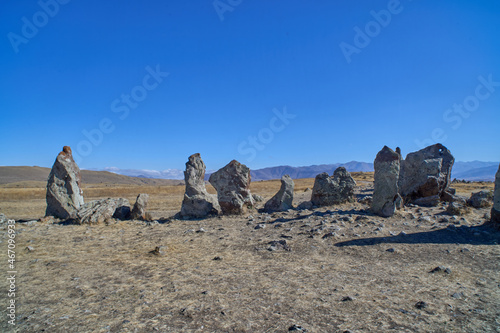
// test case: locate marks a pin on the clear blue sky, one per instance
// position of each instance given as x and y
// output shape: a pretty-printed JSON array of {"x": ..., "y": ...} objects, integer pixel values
[{"x": 230, "y": 67}]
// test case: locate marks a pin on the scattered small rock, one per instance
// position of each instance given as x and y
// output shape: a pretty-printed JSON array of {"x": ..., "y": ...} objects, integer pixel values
[
  {"x": 159, "y": 251},
  {"x": 440, "y": 269},
  {"x": 347, "y": 299},
  {"x": 391, "y": 250},
  {"x": 278, "y": 245},
  {"x": 421, "y": 305},
  {"x": 296, "y": 328}
]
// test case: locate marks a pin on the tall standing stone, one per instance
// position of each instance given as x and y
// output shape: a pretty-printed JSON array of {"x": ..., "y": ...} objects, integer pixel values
[
  {"x": 495, "y": 211},
  {"x": 232, "y": 183},
  {"x": 338, "y": 188},
  {"x": 64, "y": 196},
  {"x": 282, "y": 200},
  {"x": 197, "y": 203},
  {"x": 425, "y": 175},
  {"x": 385, "y": 193}
]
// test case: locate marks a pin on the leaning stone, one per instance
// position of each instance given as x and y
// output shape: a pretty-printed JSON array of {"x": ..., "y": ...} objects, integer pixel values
[
  {"x": 386, "y": 193},
  {"x": 64, "y": 195},
  {"x": 495, "y": 210},
  {"x": 197, "y": 203},
  {"x": 336, "y": 189},
  {"x": 481, "y": 199},
  {"x": 232, "y": 183},
  {"x": 140, "y": 206},
  {"x": 282, "y": 200}
]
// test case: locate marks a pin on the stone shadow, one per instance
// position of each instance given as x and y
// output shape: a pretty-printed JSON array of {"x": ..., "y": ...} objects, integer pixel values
[{"x": 484, "y": 234}]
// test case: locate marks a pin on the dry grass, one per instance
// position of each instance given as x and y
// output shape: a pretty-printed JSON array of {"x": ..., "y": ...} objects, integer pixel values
[{"x": 103, "y": 278}]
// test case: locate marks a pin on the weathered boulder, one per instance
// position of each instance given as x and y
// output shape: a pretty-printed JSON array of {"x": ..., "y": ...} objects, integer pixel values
[
  {"x": 197, "y": 203},
  {"x": 139, "y": 211},
  {"x": 100, "y": 211},
  {"x": 481, "y": 199},
  {"x": 386, "y": 192},
  {"x": 333, "y": 190},
  {"x": 282, "y": 200},
  {"x": 495, "y": 210},
  {"x": 64, "y": 196},
  {"x": 456, "y": 208},
  {"x": 232, "y": 183},
  {"x": 426, "y": 173}
]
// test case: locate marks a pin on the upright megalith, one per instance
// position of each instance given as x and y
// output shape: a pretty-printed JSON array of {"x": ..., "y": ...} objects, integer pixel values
[
  {"x": 197, "y": 202},
  {"x": 232, "y": 183},
  {"x": 64, "y": 196},
  {"x": 338, "y": 188},
  {"x": 282, "y": 200},
  {"x": 495, "y": 210},
  {"x": 386, "y": 192},
  {"x": 425, "y": 175}
]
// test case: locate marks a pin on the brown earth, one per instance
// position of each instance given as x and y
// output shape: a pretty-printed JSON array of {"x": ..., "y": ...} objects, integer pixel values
[{"x": 104, "y": 278}]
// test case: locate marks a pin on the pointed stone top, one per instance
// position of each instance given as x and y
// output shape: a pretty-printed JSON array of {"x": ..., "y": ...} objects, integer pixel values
[
  {"x": 66, "y": 151},
  {"x": 387, "y": 155}
]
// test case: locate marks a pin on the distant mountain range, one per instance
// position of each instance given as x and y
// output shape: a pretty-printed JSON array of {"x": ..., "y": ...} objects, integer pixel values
[{"x": 475, "y": 171}]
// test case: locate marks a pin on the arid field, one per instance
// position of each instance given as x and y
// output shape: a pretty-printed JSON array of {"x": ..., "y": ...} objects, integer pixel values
[{"x": 339, "y": 269}]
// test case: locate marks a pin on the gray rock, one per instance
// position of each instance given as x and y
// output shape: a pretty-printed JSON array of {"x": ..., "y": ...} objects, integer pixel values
[
  {"x": 305, "y": 205},
  {"x": 426, "y": 173},
  {"x": 257, "y": 198},
  {"x": 139, "y": 211},
  {"x": 336, "y": 189},
  {"x": 386, "y": 192},
  {"x": 481, "y": 199},
  {"x": 64, "y": 195},
  {"x": 232, "y": 183},
  {"x": 366, "y": 200},
  {"x": 495, "y": 210},
  {"x": 427, "y": 201},
  {"x": 278, "y": 245},
  {"x": 197, "y": 203},
  {"x": 99, "y": 211},
  {"x": 455, "y": 208},
  {"x": 282, "y": 200}
]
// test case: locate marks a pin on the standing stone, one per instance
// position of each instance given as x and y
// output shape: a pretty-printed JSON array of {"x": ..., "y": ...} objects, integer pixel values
[
  {"x": 197, "y": 201},
  {"x": 232, "y": 183},
  {"x": 495, "y": 211},
  {"x": 64, "y": 196},
  {"x": 333, "y": 190},
  {"x": 140, "y": 206},
  {"x": 283, "y": 199},
  {"x": 425, "y": 175},
  {"x": 385, "y": 193}
]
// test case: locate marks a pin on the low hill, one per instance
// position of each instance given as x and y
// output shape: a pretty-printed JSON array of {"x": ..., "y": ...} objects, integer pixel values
[{"x": 17, "y": 174}]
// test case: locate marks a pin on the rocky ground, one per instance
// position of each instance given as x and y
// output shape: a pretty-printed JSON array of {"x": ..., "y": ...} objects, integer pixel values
[{"x": 330, "y": 269}]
